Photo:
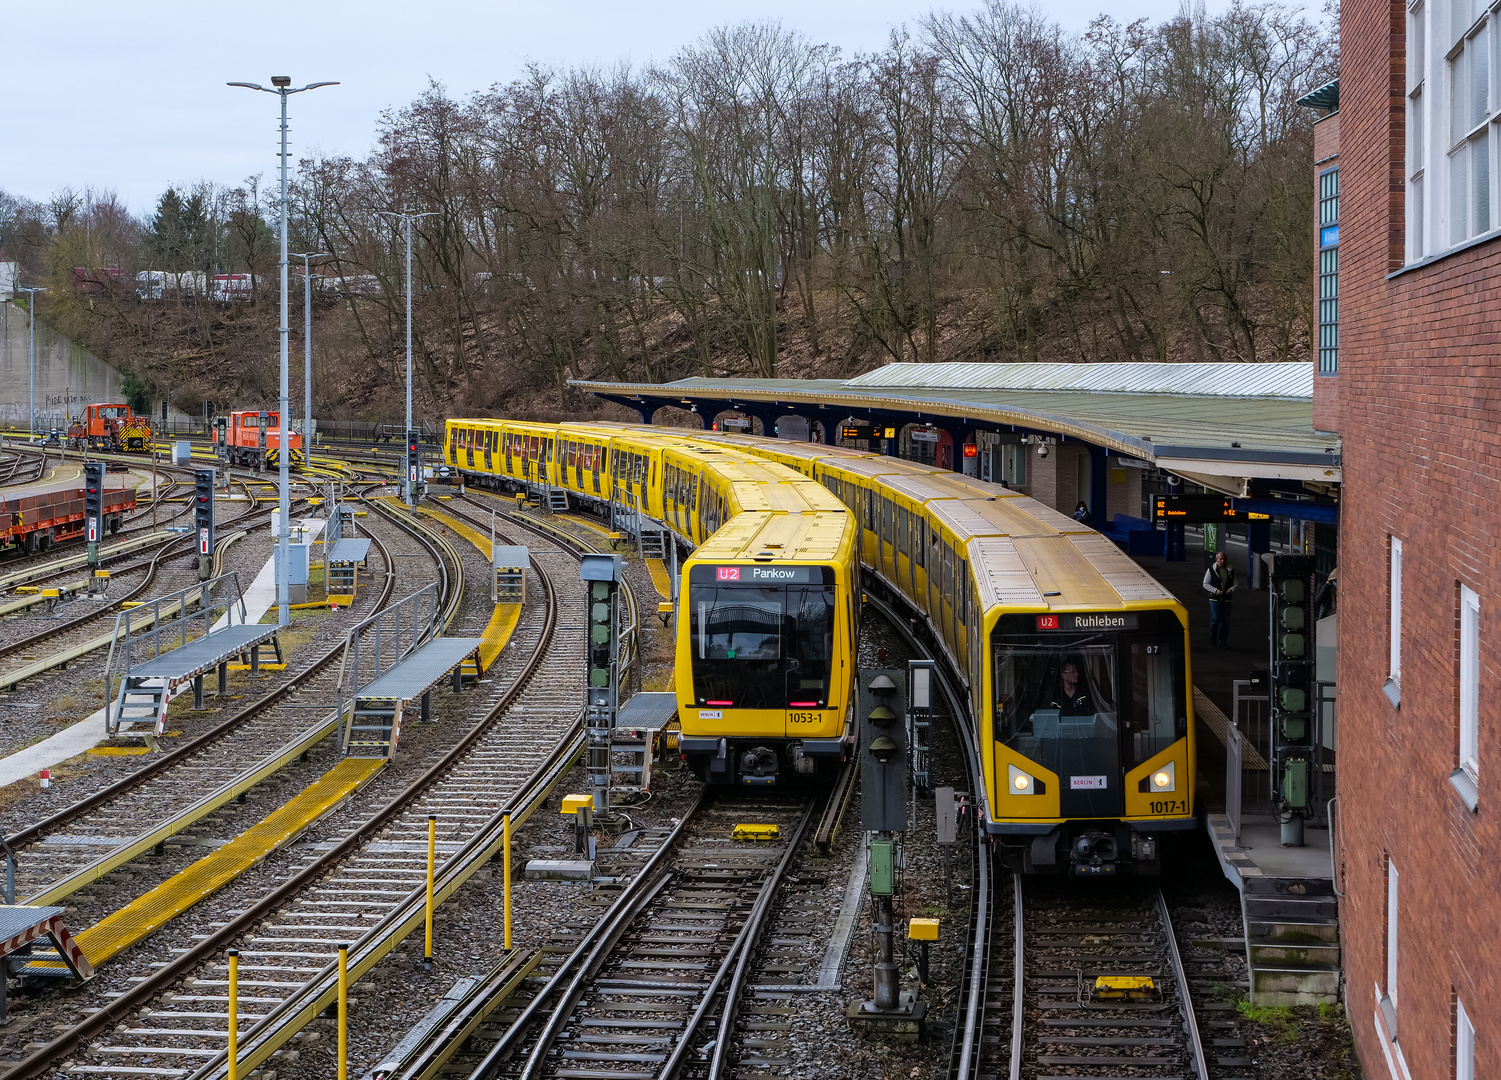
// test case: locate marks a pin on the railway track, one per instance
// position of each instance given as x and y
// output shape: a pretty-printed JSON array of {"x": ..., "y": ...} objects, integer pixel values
[
  {"x": 21, "y": 465},
  {"x": 646, "y": 991},
  {"x": 366, "y": 889}
]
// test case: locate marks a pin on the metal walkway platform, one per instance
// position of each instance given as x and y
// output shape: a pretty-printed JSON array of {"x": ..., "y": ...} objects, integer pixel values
[
  {"x": 348, "y": 550},
  {"x": 206, "y": 653},
  {"x": 148, "y": 913},
  {"x": 393, "y": 658},
  {"x": 422, "y": 670},
  {"x": 152, "y": 656}
]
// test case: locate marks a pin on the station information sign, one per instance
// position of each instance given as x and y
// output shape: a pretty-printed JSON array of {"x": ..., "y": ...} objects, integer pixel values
[
  {"x": 1200, "y": 509},
  {"x": 866, "y": 431}
]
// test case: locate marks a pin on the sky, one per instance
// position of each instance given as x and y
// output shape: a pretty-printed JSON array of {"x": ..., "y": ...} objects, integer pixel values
[{"x": 131, "y": 97}]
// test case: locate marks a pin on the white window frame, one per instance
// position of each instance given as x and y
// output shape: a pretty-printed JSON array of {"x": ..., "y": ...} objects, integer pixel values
[
  {"x": 1464, "y": 1043},
  {"x": 1469, "y": 682},
  {"x": 1392, "y": 920},
  {"x": 1442, "y": 200},
  {"x": 1394, "y": 625}
]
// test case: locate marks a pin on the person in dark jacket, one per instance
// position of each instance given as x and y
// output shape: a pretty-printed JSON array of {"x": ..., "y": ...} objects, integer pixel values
[
  {"x": 1082, "y": 514},
  {"x": 1219, "y": 583}
]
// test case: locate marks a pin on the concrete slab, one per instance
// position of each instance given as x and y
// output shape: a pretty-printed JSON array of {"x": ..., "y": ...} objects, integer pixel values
[
  {"x": 1260, "y": 853},
  {"x": 260, "y": 596}
]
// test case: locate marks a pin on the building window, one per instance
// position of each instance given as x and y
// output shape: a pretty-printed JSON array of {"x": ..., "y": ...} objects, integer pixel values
[
  {"x": 1329, "y": 272},
  {"x": 1466, "y": 778},
  {"x": 1394, "y": 625},
  {"x": 1390, "y": 997},
  {"x": 1464, "y": 1044},
  {"x": 1449, "y": 124}
]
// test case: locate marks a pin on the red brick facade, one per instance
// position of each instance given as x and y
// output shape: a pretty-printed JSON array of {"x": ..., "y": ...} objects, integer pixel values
[{"x": 1420, "y": 416}]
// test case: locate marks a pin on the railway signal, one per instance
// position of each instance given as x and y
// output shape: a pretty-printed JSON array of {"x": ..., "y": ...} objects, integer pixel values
[
  {"x": 93, "y": 507},
  {"x": 1292, "y": 695},
  {"x": 884, "y": 779},
  {"x": 203, "y": 520},
  {"x": 414, "y": 466},
  {"x": 601, "y": 575}
]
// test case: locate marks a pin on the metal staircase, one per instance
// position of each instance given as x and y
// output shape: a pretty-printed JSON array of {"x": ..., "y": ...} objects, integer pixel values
[
  {"x": 557, "y": 500},
  {"x": 140, "y": 708},
  {"x": 373, "y": 728}
]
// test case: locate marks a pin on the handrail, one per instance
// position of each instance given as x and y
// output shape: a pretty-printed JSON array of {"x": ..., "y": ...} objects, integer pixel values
[
  {"x": 422, "y": 627},
  {"x": 176, "y": 603}
]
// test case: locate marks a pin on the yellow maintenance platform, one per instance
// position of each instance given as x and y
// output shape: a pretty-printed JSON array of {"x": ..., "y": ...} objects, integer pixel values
[
  {"x": 503, "y": 622},
  {"x": 150, "y": 912}
]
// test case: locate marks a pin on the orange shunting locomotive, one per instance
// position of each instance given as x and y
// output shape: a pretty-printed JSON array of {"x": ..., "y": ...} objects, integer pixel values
[
  {"x": 254, "y": 439},
  {"x": 110, "y": 427}
]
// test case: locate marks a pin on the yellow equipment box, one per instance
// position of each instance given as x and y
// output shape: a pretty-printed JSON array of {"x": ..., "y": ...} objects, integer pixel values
[
  {"x": 922, "y": 929},
  {"x": 1125, "y": 987},
  {"x": 757, "y": 832},
  {"x": 571, "y": 803}
]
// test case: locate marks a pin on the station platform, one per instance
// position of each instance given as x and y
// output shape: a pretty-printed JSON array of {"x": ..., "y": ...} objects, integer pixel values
[
  {"x": 150, "y": 912},
  {"x": 1288, "y": 904}
]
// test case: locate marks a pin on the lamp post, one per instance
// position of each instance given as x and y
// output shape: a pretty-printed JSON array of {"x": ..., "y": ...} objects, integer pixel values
[
  {"x": 407, "y": 218},
  {"x": 31, "y": 317},
  {"x": 281, "y": 85},
  {"x": 307, "y": 345}
]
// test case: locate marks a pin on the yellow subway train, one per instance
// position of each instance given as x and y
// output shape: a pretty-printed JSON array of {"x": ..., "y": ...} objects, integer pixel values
[
  {"x": 767, "y": 617},
  {"x": 1073, "y": 659}
]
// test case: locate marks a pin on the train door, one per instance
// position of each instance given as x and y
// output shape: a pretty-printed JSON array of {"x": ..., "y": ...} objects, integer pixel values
[{"x": 489, "y": 441}]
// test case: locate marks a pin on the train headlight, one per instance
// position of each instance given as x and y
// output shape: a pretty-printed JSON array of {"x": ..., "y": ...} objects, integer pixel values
[
  {"x": 1020, "y": 783},
  {"x": 1165, "y": 778}
]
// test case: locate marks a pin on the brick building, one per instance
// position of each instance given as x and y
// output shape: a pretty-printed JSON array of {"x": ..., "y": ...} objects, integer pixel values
[{"x": 1417, "y": 407}]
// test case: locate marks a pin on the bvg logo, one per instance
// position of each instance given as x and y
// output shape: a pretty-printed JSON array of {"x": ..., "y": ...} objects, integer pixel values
[{"x": 729, "y": 573}]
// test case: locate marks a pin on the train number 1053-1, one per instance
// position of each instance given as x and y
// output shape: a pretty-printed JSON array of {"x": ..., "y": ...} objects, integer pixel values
[{"x": 1170, "y": 806}]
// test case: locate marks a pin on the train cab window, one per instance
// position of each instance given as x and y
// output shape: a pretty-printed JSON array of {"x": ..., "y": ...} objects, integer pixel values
[
  {"x": 1085, "y": 704},
  {"x": 762, "y": 647}
]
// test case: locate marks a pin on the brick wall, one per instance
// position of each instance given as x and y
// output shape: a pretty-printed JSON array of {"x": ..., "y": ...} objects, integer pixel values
[{"x": 1420, "y": 393}]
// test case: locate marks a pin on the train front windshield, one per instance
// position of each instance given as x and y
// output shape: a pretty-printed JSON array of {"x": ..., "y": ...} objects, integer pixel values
[
  {"x": 1089, "y": 705},
  {"x": 762, "y": 647}
]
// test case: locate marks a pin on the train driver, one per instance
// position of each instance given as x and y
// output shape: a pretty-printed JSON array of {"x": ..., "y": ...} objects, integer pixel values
[{"x": 1073, "y": 697}]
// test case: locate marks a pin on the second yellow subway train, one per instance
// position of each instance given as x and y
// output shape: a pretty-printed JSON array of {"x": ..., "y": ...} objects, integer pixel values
[{"x": 1073, "y": 659}]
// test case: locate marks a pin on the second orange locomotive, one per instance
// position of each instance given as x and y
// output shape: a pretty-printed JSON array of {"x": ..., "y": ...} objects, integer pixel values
[{"x": 253, "y": 440}]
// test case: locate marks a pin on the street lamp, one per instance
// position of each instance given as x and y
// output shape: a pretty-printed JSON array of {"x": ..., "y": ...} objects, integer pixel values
[
  {"x": 407, "y": 218},
  {"x": 281, "y": 85},
  {"x": 31, "y": 317},
  {"x": 307, "y": 344}
]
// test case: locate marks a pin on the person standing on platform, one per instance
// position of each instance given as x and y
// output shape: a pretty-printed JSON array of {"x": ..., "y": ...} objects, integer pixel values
[{"x": 1219, "y": 583}]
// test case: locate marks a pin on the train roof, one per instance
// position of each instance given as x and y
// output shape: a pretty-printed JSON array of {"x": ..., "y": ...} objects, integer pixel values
[
  {"x": 773, "y": 538},
  {"x": 1059, "y": 572}
]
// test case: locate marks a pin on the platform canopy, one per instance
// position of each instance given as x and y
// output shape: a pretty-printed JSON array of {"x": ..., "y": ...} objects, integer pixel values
[{"x": 1220, "y": 424}]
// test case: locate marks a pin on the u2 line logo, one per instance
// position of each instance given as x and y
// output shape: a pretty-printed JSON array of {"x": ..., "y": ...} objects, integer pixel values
[{"x": 728, "y": 573}]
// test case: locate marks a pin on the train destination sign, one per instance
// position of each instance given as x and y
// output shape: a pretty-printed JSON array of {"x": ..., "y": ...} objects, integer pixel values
[
  {"x": 1088, "y": 620},
  {"x": 758, "y": 574}
]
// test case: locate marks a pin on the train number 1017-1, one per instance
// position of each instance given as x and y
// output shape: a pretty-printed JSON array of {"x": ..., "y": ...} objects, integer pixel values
[{"x": 1170, "y": 806}]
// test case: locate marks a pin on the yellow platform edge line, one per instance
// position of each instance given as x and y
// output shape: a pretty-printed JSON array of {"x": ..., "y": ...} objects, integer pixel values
[
  {"x": 153, "y": 910},
  {"x": 659, "y": 578}
]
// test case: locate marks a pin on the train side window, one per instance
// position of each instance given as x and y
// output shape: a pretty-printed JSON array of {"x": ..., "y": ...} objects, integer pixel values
[{"x": 920, "y": 541}]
